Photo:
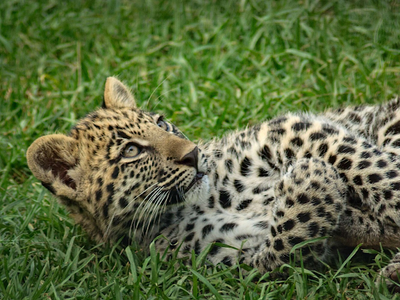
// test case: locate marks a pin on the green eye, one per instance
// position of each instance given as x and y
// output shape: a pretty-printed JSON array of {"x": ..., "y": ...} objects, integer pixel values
[{"x": 131, "y": 150}]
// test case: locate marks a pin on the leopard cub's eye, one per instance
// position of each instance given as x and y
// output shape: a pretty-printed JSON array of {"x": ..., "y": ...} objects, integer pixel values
[
  {"x": 131, "y": 150},
  {"x": 162, "y": 124}
]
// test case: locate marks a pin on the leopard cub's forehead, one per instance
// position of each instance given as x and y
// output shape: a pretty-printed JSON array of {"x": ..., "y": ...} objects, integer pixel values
[{"x": 105, "y": 122}]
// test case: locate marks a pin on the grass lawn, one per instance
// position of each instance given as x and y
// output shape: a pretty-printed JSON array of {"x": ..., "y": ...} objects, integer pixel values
[{"x": 210, "y": 66}]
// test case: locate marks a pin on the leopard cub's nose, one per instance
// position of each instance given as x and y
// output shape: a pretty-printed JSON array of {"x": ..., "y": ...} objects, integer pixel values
[{"x": 190, "y": 159}]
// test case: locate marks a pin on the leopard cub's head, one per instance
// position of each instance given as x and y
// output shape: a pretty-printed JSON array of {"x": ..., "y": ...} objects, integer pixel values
[{"x": 119, "y": 168}]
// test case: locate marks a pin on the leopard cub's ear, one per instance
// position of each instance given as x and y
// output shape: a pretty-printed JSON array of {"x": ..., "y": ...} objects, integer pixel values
[
  {"x": 117, "y": 95},
  {"x": 53, "y": 160}
]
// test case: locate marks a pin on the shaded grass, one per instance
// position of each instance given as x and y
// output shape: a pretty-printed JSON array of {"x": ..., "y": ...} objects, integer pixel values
[{"x": 210, "y": 66}]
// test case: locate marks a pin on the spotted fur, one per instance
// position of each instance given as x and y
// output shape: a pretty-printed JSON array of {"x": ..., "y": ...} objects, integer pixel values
[{"x": 124, "y": 173}]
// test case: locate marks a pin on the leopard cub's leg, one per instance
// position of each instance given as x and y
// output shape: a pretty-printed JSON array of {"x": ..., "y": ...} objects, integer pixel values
[{"x": 309, "y": 202}]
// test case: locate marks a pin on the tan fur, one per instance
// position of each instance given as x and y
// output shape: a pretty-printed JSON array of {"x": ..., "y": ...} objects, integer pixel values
[
  {"x": 126, "y": 173},
  {"x": 58, "y": 148},
  {"x": 117, "y": 95},
  {"x": 69, "y": 166}
]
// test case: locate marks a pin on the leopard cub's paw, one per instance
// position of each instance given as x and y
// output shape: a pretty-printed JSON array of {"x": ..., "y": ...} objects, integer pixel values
[{"x": 391, "y": 274}]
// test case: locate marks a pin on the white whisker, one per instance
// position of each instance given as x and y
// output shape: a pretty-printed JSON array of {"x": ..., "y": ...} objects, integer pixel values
[
  {"x": 163, "y": 206},
  {"x": 139, "y": 210},
  {"x": 151, "y": 95},
  {"x": 147, "y": 207},
  {"x": 125, "y": 208},
  {"x": 159, "y": 97},
  {"x": 155, "y": 212}
]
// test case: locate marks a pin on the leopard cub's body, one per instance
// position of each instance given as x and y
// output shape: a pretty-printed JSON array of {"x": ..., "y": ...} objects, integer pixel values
[{"x": 125, "y": 173}]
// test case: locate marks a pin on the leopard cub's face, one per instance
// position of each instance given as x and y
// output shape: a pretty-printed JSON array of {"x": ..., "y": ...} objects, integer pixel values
[{"x": 119, "y": 168}]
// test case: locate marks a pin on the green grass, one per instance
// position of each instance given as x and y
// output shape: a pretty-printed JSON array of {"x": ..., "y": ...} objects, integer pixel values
[{"x": 210, "y": 66}]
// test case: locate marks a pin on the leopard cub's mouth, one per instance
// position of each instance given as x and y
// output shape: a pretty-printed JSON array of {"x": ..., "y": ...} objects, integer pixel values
[{"x": 195, "y": 181}]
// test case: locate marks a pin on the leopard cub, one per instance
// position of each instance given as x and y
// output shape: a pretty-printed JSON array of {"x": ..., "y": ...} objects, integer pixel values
[{"x": 124, "y": 173}]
